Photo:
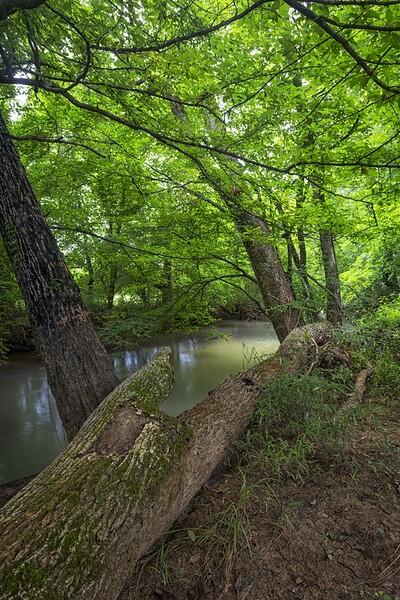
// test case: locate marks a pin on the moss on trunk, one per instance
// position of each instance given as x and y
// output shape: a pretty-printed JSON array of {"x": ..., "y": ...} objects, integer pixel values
[{"x": 77, "y": 530}]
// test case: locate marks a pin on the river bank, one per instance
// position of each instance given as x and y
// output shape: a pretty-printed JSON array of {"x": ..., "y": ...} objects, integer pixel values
[
  {"x": 309, "y": 506},
  {"x": 31, "y": 433}
]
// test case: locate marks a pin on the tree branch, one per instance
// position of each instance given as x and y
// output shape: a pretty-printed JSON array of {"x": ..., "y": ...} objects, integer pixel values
[
  {"x": 50, "y": 140},
  {"x": 7, "y": 7},
  {"x": 186, "y": 37},
  {"x": 321, "y": 22}
]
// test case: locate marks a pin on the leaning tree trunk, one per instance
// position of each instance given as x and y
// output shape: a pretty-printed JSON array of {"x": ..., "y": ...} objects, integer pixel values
[
  {"x": 271, "y": 278},
  {"x": 77, "y": 530},
  {"x": 264, "y": 257},
  {"x": 79, "y": 370}
]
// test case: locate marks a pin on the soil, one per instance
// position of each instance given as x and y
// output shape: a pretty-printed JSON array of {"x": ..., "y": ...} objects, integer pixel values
[{"x": 333, "y": 534}]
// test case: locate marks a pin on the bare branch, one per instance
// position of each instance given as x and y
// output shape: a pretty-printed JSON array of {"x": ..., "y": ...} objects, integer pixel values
[
  {"x": 354, "y": 2},
  {"x": 57, "y": 140}
]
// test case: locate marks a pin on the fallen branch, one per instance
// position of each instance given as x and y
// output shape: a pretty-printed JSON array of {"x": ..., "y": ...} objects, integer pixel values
[
  {"x": 361, "y": 380},
  {"x": 359, "y": 388},
  {"x": 78, "y": 529}
]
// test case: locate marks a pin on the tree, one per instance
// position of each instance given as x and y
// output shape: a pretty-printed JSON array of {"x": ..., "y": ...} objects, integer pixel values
[
  {"x": 111, "y": 93},
  {"x": 79, "y": 370},
  {"x": 271, "y": 278}
]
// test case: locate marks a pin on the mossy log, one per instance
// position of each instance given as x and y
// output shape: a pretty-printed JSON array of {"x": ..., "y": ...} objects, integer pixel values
[{"x": 77, "y": 530}]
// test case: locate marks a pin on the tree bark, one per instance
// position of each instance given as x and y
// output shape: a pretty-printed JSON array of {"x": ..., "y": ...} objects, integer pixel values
[
  {"x": 114, "y": 270},
  {"x": 289, "y": 269},
  {"x": 112, "y": 284},
  {"x": 79, "y": 370},
  {"x": 271, "y": 278},
  {"x": 332, "y": 282},
  {"x": 264, "y": 257},
  {"x": 77, "y": 530},
  {"x": 302, "y": 263}
]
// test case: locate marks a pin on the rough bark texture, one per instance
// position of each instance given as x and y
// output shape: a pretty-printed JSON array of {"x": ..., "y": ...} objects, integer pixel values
[
  {"x": 80, "y": 372},
  {"x": 332, "y": 282},
  {"x": 77, "y": 530},
  {"x": 271, "y": 278}
]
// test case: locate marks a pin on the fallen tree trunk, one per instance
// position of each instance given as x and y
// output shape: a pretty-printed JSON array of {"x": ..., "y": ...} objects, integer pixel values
[{"x": 77, "y": 530}]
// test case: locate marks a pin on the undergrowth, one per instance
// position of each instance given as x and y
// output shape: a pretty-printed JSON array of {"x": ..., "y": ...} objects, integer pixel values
[
  {"x": 302, "y": 427},
  {"x": 299, "y": 425},
  {"x": 298, "y": 428}
]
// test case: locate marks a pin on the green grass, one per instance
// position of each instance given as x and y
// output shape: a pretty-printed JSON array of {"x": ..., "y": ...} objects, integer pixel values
[
  {"x": 299, "y": 429},
  {"x": 299, "y": 422}
]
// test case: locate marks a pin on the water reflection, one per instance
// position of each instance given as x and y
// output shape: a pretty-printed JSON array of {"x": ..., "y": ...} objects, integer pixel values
[{"x": 31, "y": 433}]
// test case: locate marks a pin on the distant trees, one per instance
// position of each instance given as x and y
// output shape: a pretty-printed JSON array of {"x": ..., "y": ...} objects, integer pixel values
[{"x": 180, "y": 121}]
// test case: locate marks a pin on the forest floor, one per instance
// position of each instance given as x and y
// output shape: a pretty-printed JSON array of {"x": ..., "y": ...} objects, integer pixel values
[{"x": 310, "y": 509}]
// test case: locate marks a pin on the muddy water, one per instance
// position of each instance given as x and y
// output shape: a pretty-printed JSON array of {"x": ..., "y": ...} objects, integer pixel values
[{"x": 31, "y": 433}]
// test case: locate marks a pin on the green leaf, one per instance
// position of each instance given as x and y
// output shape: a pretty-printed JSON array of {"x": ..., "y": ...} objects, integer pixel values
[{"x": 192, "y": 535}]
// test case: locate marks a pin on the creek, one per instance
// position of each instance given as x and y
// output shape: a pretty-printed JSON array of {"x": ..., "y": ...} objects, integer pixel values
[{"x": 31, "y": 433}]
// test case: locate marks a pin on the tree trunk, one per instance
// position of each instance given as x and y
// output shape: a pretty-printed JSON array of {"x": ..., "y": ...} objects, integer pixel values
[
  {"x": 77, "y": 530},
  {"x": 112, "y": 284},
  {"x": 289, "y": 270},
  {"x": 302, "y": 253},
  {"x": 272, "y": 281},
  {"x": 167, "y": 295},
  {"x": 264, "y": 257},
  {"x": 79, "y": 371},
  {"x": 302, "y": 256},
  {"x": 90, "y": 285},
  {"x": 114, "y": 270},
  {"x": 332, "y": 282}
]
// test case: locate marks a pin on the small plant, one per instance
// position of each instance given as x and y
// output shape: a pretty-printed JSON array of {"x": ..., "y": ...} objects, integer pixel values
[
  {"x": 163, "y": 562},
  {"x": 228, "y": 530},
  {"x": 252, "y": 356}
]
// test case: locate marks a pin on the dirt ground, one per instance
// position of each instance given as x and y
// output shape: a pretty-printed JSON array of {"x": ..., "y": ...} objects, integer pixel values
[{"x": 331, "y": 534}]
